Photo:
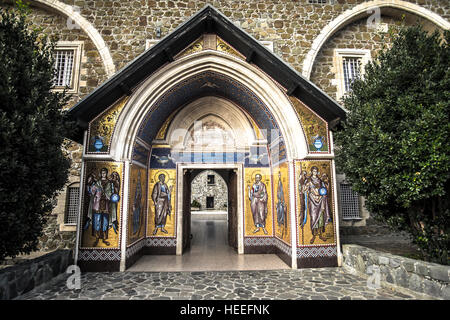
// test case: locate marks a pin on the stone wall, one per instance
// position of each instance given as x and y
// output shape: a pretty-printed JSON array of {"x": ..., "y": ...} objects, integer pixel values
[
  {"x": 21, "y": 278},
  {"x": 56, "y": 234},
  {"x": 201, "y": 189},
  {"x": 53, "y": 238},
  {"x": 125, "y": 26},
  {"x": 357, "y": 35},
  {"x": 291, "y": 24},
  {"x": 402, "y": 273}
]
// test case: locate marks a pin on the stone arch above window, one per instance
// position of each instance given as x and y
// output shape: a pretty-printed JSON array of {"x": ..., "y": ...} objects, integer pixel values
[
  {"x": 368, "y": 9},
  {"x": 78, "y": 21}
]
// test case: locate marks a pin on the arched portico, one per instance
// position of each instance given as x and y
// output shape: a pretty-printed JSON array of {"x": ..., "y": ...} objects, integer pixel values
[
  {"x": 149, "y": 126},
  {"x": 207, "y": 68}
]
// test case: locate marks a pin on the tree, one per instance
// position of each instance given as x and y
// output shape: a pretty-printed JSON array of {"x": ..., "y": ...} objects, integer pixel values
[
  {"x": 32, "y": 128},
  {"x": 394, "y": 144}
]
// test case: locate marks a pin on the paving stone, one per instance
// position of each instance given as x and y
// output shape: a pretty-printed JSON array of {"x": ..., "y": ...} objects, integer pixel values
[{"x": 323, "y": 284}]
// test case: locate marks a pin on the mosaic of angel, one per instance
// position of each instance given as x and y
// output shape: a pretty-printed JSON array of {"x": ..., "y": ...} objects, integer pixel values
[
  {"x": 103, "y": 193},
  {"x": 314, "y": 190}
]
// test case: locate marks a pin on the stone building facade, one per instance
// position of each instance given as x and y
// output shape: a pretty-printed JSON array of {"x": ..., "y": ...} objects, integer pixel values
[
  {"x": 313, "y": 37},
  {"x": 210, "y": 190}
]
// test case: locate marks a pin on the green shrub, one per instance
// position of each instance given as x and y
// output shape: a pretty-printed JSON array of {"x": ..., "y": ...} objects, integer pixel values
[
  {"x": 196, "y": 204},
  {"x": 394, "y": 146},
  {"x": 32, "y": 128}
]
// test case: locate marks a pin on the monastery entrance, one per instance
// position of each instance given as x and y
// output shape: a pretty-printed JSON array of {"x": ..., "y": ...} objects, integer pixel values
[{"x": 207, "y": 96}]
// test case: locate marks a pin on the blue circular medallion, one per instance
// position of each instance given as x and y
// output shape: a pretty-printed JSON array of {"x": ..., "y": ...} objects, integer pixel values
[
  {"x": 115, "y": 198},
  {"x": 318, "y": 144},
  {"x": 323, "y": 191},
  {"x": 98, "y": 144}
]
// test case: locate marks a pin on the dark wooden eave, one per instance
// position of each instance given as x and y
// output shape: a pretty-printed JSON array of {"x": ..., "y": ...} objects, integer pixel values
[{"x": 207, "y": 20}]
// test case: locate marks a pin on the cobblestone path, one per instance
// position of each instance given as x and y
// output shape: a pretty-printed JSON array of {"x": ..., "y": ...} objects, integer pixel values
[{"x": 304, "y": 284}]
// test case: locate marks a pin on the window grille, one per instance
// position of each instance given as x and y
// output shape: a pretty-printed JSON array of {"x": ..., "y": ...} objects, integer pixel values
[
  {"x": 352, "y": 71},
  {"x": 64, "y": 60},
  {"x": 349, "y": 202},
  {"x": 211, "y": 179},
  {"x": 71, "y": 215},
  {"x": 318, "y": 1}
]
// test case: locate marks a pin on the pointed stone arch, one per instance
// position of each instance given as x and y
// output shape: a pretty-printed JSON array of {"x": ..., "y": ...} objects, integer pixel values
[
  {"x": 234, "y": 121},
  {"x": 141, "y": 102}
]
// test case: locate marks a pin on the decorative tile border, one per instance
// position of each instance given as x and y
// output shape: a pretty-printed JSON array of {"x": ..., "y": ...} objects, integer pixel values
[
  {"x": 133, "y": 249},
  {"x": 99, "y": 255},
  {"x": 161, "y": 242},
  {"x": 258, "y": 241},
  {"x": 282, "y": 246},
  {"x": 313, "y": 252}
]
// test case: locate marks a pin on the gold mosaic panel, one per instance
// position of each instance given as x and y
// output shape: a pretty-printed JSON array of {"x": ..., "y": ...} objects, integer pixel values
[
  {"x": 314, "y": 204},
  {"x": 103, "y": 126},
  {"x": 313, "y": 126},
  {"x": 101, "y": 216},
  {"x": 137, "y": 203},
  {"x": 225, "y": 47},
  {"x": 170, "y": 181},
  {"x": 281, "y": 202},
  {"x": 196, "y": 46},
  {"x": 249, "y": 222}
]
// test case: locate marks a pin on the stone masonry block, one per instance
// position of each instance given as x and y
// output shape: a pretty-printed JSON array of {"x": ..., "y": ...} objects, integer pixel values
[
  {"x": 445, "y": 293},
  {"x": 431, "y": 288},
  {"x": 408, "y": 265},
  {"x": 439, "y": 272},
  {"x": 394, "y": 263},
  {"x": 421, "y": 268},
  {"x": 415, "y": 283}
]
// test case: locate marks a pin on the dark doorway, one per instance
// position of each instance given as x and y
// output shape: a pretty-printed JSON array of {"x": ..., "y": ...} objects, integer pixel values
[{"x": 209, "y": 202}]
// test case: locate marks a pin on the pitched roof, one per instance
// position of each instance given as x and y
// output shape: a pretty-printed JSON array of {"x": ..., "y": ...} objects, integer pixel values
[{"x": 207, "y": 20}]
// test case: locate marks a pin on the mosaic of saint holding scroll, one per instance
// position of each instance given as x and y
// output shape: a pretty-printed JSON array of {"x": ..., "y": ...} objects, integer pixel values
[
  {"x": 258, "y": 203},
  {"x": 314, "y": 199},
  {"x": 161, "y": 199},
  {"x": 103, "y": 197}
]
